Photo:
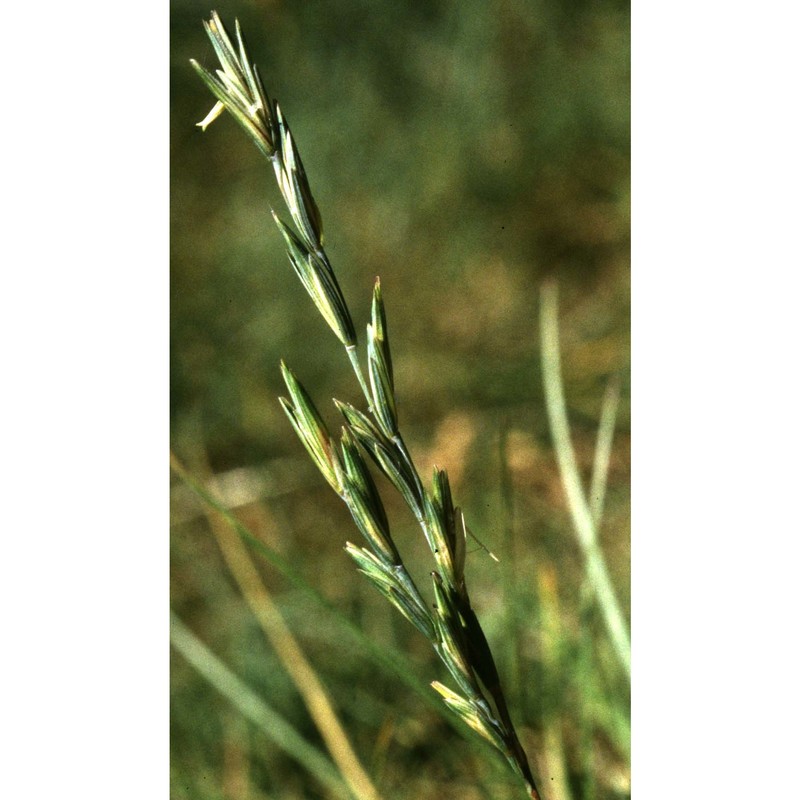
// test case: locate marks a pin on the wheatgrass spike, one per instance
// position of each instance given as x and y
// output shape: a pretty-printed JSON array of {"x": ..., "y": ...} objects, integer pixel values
[{"x": 451, "y": 625}]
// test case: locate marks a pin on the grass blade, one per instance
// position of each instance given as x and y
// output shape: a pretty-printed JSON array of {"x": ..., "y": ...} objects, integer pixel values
[
  {"x": 251, "y": 706},
  {"x": 292, "y": 657},
  {"x": 568, "y": 465},
  {"x": 602, "y": 451}
]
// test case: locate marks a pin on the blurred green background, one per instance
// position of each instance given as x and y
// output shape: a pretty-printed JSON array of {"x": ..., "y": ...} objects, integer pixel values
[{"x": 463, "y": 151}]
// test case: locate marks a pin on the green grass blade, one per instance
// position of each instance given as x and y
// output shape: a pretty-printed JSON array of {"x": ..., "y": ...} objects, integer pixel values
[
  {"x": 250, "y": 705},
  {"x": 602, "y": 451},
  {"x": 583, "y": 523}
]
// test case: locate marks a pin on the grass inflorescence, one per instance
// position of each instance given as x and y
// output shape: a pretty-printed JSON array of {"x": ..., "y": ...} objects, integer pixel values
[{"x": 371, "y": 435}]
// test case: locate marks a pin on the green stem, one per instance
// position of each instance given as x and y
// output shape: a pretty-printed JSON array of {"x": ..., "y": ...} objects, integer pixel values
[
  {"x": 583, "y": 523},
  {"x": 602, "y": 451},
  {"x": 251, "y": 706}
]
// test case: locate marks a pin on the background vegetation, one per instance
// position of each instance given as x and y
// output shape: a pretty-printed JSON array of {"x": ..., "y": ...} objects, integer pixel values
[{"x": 463, "y": 151}]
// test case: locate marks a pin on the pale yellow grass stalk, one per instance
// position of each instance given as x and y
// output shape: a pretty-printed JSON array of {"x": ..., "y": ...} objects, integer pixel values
[{"x": 288, "y": 650}]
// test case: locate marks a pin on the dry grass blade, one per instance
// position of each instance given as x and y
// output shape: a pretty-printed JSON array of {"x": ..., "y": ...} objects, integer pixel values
[{"x": 292, "y": 657}]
